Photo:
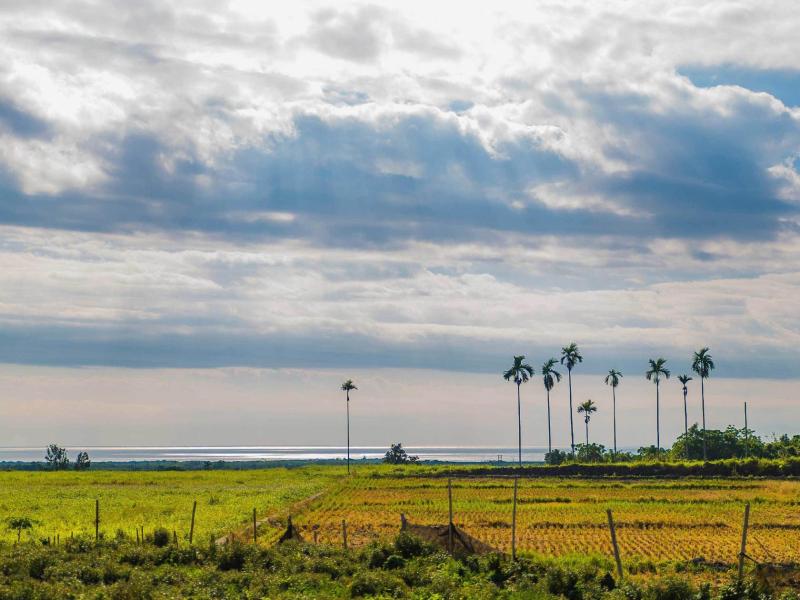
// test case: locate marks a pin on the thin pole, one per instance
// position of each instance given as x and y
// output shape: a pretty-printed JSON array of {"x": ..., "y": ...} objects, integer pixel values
[
  {"x": 519, "y": 424},
  {"x": 744, "y": 539},
  {"x": 614, "y": 542},
  {"x": 96, "y": 520},
  {"x": 450, "y": 508},
  {"x": 191, "y": 527},
  {"x": 685, "y": 421},
  {"x": 614, "y": 400},
  {"x": 571, "y": 426},
  {"x": 703, "y": 402},
  {"x": 549, "y": 433},
  {"x": 344, "y": 534},
  {"x": 746, "y": 434},
  {"x": 658, "y": 424},
  {"x": 514, "y": 524},
  {"x": 255, "y": 527},
  {"x": 348, "y": 432}
]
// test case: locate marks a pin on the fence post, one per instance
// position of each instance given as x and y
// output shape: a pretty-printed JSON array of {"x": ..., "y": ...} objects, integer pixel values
[
  {"x": 742, "y": 552},
  {"x": 614, "y": 542},
  {"x": 191, "y": 527},
  {"x": 97, "y": 520},
  {"x": 255, "y": 526},
  {"x": 514, "y": 524},
  {"x": 344, "y": 534},
  {"x": 450, "y": 508},
  {"x": 314, "y": 530}
]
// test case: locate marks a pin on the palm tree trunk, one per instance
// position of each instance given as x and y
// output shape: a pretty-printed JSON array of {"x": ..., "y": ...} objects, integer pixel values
[
  {"x": 658, "y": 426},
  {"x": 685, "y": 423},
  {"x": 549, "y": 433},
  {"x": 614, "y": 402},
  {"x": 571, "y": 425},
  {"x": 587, "y": 432},
  {"x": 703, "y": 403},
  {"x": 348, "y": 432},
  {"x": 519, "y": 425}
]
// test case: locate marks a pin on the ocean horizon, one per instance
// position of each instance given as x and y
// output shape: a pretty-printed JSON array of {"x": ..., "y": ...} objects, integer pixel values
[{"x": 486, "y": 454}]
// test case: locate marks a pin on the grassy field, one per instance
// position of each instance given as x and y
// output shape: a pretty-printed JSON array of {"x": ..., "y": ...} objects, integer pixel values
[
  {"x": 63, "y": 503},
  {"x": 657, "y": 520}
]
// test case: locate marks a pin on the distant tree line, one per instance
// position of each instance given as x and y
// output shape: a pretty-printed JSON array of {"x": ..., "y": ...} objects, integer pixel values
[{"x": 729, "y": 443}]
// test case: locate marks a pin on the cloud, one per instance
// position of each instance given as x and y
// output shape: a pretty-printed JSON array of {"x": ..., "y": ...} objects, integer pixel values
[{"x": 244, "y": 184}]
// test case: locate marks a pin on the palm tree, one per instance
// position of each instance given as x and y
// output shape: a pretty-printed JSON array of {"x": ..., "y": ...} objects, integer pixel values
[
  {"x": 612, "y": 379},
  {"x": 684, "y": 379},
  {"x": 657, "y": 370},
  {"x": 346, "y": 387},
  {"x": 587, "y": 408},
  {"x": 570, "y": 356},
  {"x": 550, "y": 377},
  {"x": 703, "y": 364},
  {"x": 519, "y": 372}
]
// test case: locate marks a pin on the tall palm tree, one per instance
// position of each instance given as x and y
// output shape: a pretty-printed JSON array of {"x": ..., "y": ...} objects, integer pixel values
[
  {"x": 684, "y": 379},
  {"x": 550, "y": 377},
  {"x": 657, "y": 370},
  {"x": 587, "y": 408},
  {"x": 347, "y": 386},
  {"x": 571, "y": 356},
  {"x": 519, "y": 372},
  {"x": 703, "y": 364},
  {"x": 612, "y": 379}
]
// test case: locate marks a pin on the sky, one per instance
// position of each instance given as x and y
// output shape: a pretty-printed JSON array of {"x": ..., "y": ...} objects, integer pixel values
[{"x": 211, "y": 214}]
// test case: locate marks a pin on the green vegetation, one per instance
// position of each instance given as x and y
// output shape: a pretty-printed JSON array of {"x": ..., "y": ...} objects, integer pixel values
[
  {"x": 405, "y": 568},
  {"x": 61, "y": 503}
]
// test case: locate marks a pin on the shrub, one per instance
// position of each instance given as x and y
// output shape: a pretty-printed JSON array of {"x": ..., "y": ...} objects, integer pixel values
[
  {"x": 394, "y": 562},
  {"x": 371, "y": 583},
  {"x": 672, "y": 589},
  {"x": 232, "y": 558},
  {"x": 409, "y": 546},
  {"x": 160, "y": 537}
]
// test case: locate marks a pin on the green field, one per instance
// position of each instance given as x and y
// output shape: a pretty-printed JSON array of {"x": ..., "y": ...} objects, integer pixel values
[{"x": 62, "y": 503}]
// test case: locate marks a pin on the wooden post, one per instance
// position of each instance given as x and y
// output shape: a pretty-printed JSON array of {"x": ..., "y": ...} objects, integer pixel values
[
  {"x": 97, "y": 520},
  {"x": 315, "y": 530},
  {"x": 255, "y": 527},
  {"x": 191, "y": 527},
  {"x": 450, "y": 507},
  {"x": 742, "y": 552},
  {"x": 614, "y": 542},
  {"x": 514, "y": 524},
  {"x": 344, "y": 534},
  {"x": 137, "y": 535}
]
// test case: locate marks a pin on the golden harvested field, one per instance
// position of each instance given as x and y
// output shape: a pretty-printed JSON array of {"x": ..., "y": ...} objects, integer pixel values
[{"x": 656, "y": 519}]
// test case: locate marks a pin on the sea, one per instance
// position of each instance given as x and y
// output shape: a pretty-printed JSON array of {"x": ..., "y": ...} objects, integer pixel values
[{"x": 485, "y": 454}]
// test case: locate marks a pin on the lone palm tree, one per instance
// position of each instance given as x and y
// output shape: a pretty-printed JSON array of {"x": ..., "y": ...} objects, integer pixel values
[
  {"x": 347, "y": 386},
  {"x": 550, "y": 377},
  {"x": 684, "y": 379},
  {"x": 612, "y": 379},
  {"x": 703, "y": 364},
  {"x": 657, "y": 370},
  {"x": 519, "y": 372},
  {"x": 571, "y": 356},
  {"x": 587, "y": 408}
]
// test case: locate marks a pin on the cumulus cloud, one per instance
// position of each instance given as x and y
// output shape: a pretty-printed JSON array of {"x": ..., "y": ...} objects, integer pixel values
[{"x": 371, "y": 179}]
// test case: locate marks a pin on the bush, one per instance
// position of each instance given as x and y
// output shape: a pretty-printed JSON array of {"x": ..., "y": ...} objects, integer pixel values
[
  {"x": 394, "y": 562},
  {"x": 672, "y": 589},
  {"x": 232, "y": 558},
  {"x": 371, "y": 583},
  {"x": 410, "y": 546},
  {"x": 160, "y": 537}
]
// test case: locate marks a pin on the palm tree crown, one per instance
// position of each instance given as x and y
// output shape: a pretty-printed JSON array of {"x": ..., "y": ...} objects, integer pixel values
[
  {"x": 702, "y": 363},
  {"x": 549, "y": 375},
  {"x": 570, "y": 356},
  {"x": 348, "y": 385},
  {"x": 520, "y": 371},
  {"x": 684, "y": 379},
  {"x": 657, "y": 370},
  {"x": 587, "y": 408},
  {"x": 613, "y": 377}
]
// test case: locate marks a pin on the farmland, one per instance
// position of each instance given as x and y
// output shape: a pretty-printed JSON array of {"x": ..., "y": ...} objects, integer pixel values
[{"x": 657, "y": 520}]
